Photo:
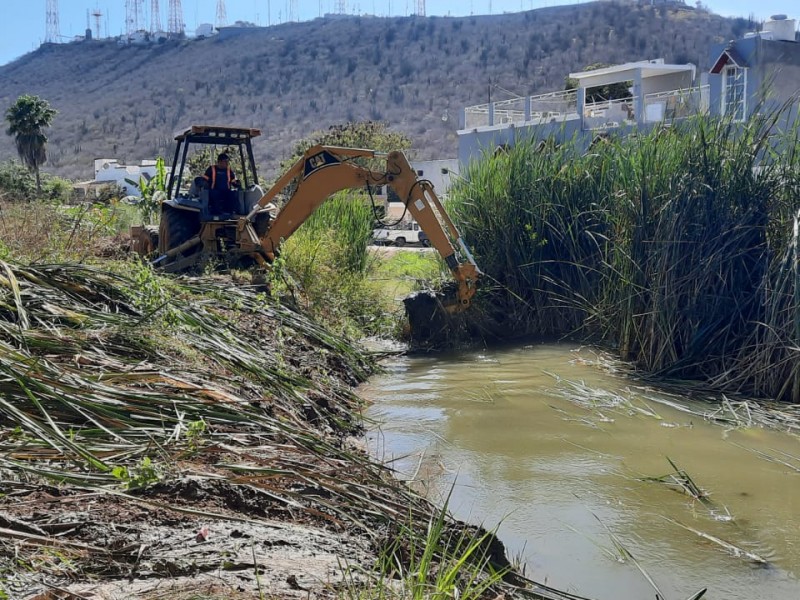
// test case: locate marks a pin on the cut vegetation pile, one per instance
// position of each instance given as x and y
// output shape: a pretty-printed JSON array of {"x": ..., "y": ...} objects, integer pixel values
[
  {"x": 169, "y": 436},
  {"x": 679, "y": 247}
]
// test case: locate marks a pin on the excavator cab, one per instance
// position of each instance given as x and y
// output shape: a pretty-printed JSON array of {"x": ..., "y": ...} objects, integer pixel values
[
  {"x": 186, "y": 213},
  {"x": 238, "y": 139}
]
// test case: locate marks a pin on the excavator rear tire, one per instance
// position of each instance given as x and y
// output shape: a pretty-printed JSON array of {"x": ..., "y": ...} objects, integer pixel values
[{"x": 177, "y": 226}]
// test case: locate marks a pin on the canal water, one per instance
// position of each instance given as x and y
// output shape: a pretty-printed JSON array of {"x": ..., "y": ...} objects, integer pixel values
[{"x": 553, "y": 445}]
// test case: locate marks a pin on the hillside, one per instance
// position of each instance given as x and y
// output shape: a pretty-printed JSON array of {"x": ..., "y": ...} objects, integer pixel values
[{"x": 416, "y": 73}]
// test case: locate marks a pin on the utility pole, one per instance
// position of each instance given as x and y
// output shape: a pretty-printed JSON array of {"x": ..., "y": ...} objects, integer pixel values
[{"x": 52, "y": 34}]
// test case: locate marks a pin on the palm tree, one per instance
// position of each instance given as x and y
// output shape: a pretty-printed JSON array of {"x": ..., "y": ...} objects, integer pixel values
[{"x": 27, "y": 118}]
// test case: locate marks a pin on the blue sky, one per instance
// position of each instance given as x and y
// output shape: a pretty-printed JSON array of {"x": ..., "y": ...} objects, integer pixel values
[{"x": 23, "y": 27}]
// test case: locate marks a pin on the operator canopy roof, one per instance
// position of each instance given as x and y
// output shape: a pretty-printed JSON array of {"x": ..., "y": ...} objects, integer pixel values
[{"x": 216, "y": 134}]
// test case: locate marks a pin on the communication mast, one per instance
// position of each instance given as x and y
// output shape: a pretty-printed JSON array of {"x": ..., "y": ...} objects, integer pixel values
[
  {"x": 134, "y": 19},
  {"x": 175, "y": 17},
  {"x": 420, "y": 8},
  {"x": 97, "y": 14},
  {"x": 292, "y": 11},
  {"x": 341, "y": 7},
  {"x": 53, "y": 34},
  {"x": 222, "y": 15},
  {"x": 155, "y": 17}
]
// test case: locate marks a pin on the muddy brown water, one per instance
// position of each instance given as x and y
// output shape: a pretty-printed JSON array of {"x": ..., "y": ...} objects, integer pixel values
[{"x": 513, "y": 432}]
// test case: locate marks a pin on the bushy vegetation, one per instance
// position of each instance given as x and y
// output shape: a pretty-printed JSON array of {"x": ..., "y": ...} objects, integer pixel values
[
  {"x": 674, "y": 246},
  {"x": 18, "y": 183},
  {"x": 372, "y": 135},
  {"x": 328, "y": 262},
  {"x": 448, "y": 562},
  {"x": 44, "y": 232}
]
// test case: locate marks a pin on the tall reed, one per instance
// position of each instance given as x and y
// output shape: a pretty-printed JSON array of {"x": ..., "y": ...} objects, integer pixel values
[
  {"x": 675, "y": 246},
  {"x": 345, "y": 220}
]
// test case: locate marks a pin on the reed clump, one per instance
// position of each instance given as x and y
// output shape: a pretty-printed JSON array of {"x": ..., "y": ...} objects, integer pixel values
[{"x": 679, "y": 247}]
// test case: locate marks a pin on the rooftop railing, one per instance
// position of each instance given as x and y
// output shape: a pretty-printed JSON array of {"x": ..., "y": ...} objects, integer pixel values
[
  {"x": 670, "y": 106},
  {"x": 561, "y": 106},
  {"x": 609, "y": 113},
  {"x": 542, "y": 108}
]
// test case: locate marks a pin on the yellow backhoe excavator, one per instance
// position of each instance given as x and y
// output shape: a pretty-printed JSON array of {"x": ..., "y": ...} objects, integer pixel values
[{"x": 189, "y": 234}]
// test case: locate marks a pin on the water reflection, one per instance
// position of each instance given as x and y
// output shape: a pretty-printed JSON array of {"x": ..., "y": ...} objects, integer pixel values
[{"x": 544, "y": 442}]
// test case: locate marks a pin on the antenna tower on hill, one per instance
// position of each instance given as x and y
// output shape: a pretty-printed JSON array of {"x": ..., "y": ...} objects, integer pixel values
[
  {"x": 134, "y": 19},
  {"x": 420, "y": 8},
  {"x": 222, "y": 14},
  {"x": 155, "y": 17},
  {"x": 97, "y": 14},
  {"x": 175, "y": 17},
  {"x": 52, "y": 34},
  {"x": 341, "y": 7},
  {"x": 292, "y": 12}
]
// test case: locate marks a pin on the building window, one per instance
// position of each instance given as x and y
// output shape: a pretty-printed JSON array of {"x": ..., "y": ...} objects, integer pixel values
[{"x": 734, "y": 85}]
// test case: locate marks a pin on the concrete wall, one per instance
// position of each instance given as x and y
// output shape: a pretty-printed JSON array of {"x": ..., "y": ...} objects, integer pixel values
[
  {"x": 780, "y": 65},
  {"x": 438, "y": 172},
  {"x": 473, "y": 144}
]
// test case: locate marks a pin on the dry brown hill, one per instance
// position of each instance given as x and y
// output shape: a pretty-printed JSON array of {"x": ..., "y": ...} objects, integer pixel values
[{"x": 416, "y": 73}]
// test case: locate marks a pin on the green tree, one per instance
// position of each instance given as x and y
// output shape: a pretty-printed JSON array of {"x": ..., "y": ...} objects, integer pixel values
[
  {"x": 152, "y": 190},
  {"x": 27, "y": 119},
  {"x": 374, "y": 135}
]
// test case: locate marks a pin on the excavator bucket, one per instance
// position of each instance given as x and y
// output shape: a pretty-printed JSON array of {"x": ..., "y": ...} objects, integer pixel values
[{"x": 434, "y": 318}]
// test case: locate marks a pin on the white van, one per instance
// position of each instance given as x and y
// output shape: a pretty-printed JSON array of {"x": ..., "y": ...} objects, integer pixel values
[{"x": 410, "y": 234}]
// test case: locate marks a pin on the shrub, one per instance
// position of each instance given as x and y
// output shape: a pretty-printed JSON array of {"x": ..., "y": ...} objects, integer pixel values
[{"x": 18, "y": 183}]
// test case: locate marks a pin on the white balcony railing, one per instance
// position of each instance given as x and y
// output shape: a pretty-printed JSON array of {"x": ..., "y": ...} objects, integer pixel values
[
  {"x": 670, "y": 106},
  {"x": 561, "y": 106},
  {"x": 609, "y": 113},
  {"x": 542, "y": 108}
]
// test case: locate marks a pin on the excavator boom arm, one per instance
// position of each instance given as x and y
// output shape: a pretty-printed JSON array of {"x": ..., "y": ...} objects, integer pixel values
[{"x": 324, "y": 170}]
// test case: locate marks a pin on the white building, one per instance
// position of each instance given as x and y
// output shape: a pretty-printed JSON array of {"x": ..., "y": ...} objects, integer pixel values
[
  {"x": 110, "y": 171},
  {"x": 438, "y": 172}
]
